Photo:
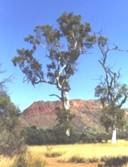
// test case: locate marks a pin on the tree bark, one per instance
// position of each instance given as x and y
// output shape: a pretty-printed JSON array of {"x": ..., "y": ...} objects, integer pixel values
[
  {"x": 66, "y": 106},
  {"x": 114, "y": 136},
  {"x": 66, "y": 102}
]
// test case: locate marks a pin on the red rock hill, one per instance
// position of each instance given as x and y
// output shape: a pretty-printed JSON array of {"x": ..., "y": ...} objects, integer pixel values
[{"x": 43, "y": 114}]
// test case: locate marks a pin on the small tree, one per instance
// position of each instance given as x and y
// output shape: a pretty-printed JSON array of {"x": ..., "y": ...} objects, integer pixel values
[
  {"x": 64, "y": 45},
  {"x": 111, "y": 93},
  {"x": 11, "y": 138}
]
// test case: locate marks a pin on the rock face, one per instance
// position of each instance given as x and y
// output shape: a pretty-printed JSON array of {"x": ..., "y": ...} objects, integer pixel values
[{"x": 43, "y": 114}]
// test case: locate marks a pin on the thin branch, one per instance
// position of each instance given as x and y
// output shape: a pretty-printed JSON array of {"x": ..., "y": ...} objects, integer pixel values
[
  {"x": 44, "y": 81},
  {"x": 56, "y": 96}
]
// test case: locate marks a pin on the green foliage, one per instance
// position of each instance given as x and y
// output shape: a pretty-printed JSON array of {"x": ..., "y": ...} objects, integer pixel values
[
  {"x": 64, "y": 45},
  {"x": 93, "y": 136},
  {"x": 64, "y": 118},
  {"x": 77, "y": 159},
  {"x": 37, "y": 136},
  {"x": 53, "y": 154},
  {"x": 57, "y": 135},
  {"x": 113, "y": 116},
  {"x": 11, "y": 139},
  {"x": 114, "y": 161},
  {"x": 34, "y": 136},
  {"x": 70, "y": 28}
]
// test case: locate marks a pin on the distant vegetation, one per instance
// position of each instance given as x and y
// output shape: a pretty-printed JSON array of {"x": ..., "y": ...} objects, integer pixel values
[{"x": 37, "y": 136}]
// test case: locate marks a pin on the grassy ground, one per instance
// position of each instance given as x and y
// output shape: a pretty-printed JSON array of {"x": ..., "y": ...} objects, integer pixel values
[{"x": 76, "y": 155}]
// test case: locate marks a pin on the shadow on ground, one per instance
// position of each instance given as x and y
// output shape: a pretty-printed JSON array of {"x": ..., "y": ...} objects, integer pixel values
[{"x": 113, "y": 161}]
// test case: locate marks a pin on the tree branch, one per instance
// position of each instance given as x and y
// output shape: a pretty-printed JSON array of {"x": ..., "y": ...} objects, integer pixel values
[{"x": 56, "y": 96}]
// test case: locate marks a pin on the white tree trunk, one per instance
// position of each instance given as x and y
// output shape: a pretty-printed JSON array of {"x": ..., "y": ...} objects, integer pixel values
[
  {"x": 114, "y": 139},
  {"x": 66, "y": 101},
  {"x": 66, "y": 105},
  {"x": 64, "y": 95}
]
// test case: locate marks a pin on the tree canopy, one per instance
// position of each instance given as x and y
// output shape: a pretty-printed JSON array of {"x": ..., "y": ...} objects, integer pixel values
[{"x": 63, "y": 45}]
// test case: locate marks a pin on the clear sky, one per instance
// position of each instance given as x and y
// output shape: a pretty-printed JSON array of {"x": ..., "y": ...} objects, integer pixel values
[{"x": 19, "y": 17}]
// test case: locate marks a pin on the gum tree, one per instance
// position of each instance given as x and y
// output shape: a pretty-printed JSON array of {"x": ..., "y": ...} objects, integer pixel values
[
  {"x": 112, "y": 94},
  {"x": 63, "y": 46}
]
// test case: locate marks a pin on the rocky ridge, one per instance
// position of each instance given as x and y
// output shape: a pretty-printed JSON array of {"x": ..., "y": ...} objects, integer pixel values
[{"x": 43, "y": 114}]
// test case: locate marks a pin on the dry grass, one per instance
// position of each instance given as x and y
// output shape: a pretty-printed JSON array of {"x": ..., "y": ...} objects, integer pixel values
[
  {"x": 81, "y": 152},
  {"x": 6, "y": 162}
]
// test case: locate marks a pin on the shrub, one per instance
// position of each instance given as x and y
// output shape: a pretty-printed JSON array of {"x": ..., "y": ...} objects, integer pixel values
[
  {"x": 57, "y": 135},
  {"x": 53, "y": 154},
  {"x": 20, "y": 161},
  {"x": 76, "y": 159},
  {"x": 114, "y": 161},
  {"x": 34, "y": 136},
  {"x": 91, "y": 136},
  {"x": 11, "y": 136}
]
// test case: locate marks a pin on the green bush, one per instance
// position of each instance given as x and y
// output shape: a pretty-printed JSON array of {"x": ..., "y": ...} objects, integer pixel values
[
  {"x": 113, "y": 161},
  {"x": 92, "y": 136},
  {"x": 76, "y": 159},
  {"x": 35, "y": 136},
  {"x": 11, "y": 137},
  {"x": 53, "y": 154}
]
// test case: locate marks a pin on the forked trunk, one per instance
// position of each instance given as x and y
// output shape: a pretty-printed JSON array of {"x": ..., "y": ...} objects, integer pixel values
[{"x": 114, "y": 136}]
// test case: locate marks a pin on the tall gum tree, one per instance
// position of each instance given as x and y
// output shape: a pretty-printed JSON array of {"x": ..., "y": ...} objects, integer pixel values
[
  {"x": 64, "y": 45},
  {"x": 111, "y": 93}
]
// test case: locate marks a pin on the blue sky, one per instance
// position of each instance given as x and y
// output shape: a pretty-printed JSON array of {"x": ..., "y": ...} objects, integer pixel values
[{"x": 19, "y": 17}]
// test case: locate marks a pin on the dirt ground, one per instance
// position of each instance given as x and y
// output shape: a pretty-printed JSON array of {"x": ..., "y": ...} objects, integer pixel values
[{"x": 53, "y": 162}]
